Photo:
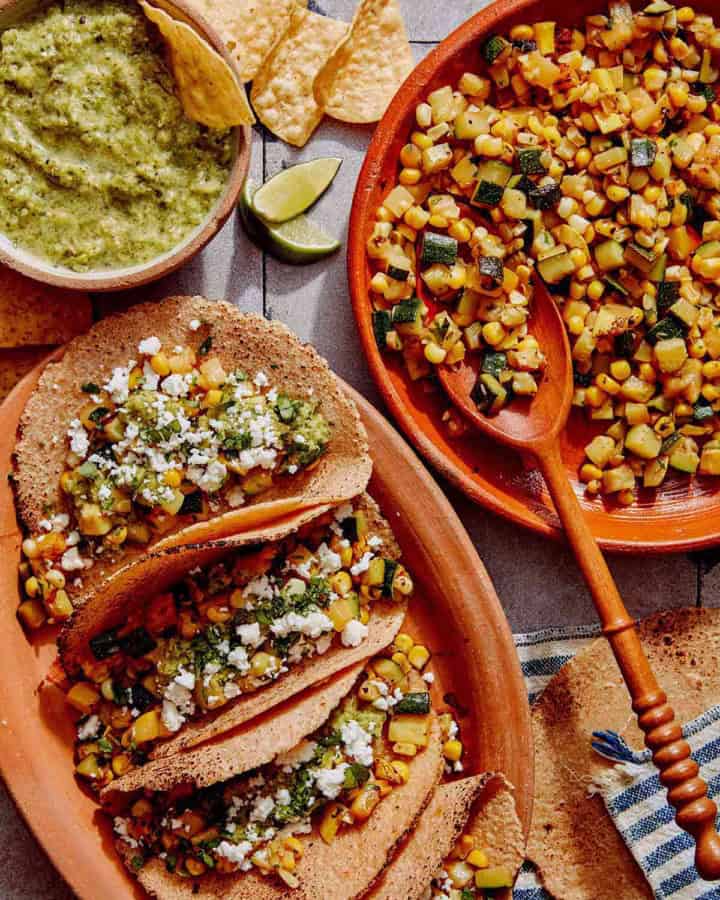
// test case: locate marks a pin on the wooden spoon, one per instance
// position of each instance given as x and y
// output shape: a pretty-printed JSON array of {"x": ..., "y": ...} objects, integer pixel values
[{"x": 535, "y": 427}]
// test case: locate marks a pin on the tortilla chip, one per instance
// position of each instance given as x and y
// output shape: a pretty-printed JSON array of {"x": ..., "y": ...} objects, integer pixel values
[
  {"x": 282, "y": 90},
  {"x": 425, "y": 849},
  {"x": 249, "y": 341},
  {"x": 572, "y": 840},
  {"x": 15, "y": 364},
  {"x": 246, "y": 748},
  {"x": 34, "y": 314},
  {"x": 208, "y": 89},
  {"x": 362, "y": 76},
  {"x": 250, "y": 28},
  {"x": 346, "y": 868}
]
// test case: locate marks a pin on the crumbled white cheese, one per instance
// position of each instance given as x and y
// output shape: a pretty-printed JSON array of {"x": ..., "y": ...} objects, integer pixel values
[
  {"x": 172, "y": 718},
  {"x": 236, "y": 853},
  {"x": 313, "y": 624},
  {"x": 231, "y": 690},
  {"x": 283, "y": 797},
  {"x": 330, "y": 781},
  {"x": 261, "y": 380},
  {"x": 79, "y": 440},
  {"x": 428, "y": 677},
  {"x": 89, "y": 728},
  {"x": 175, "y": 385},
  {"x": 362, "y": 565},
  {"x": 238, "y": 658},
  {"x": 120, "y": 827},
  {"x": 151, "y": 380},
  {"x": 330, "y": 561},
  {"x": 249, "y": 634},
  {"x": 71, "y": 561},
  {"x": 262, "y": 808},
  {"x": 322, "y": 645},
  {"x": 358, "y": 742},
  {"x": 185, "y": 679},
  {"x": 119, "y": 384},
  {"x": 150, "y": 346},
  {"x": 194, "y": 324},
  {"x": 374, "y": 541},
  {"x": 354, "y": 633},
  {"x": 235, "y": 496}
]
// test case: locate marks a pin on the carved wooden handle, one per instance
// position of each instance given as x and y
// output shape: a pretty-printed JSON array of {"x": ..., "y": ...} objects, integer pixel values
[{"x": 687, "y": 792}]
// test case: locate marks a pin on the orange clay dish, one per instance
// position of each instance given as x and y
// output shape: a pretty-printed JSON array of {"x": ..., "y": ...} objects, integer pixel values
[{"x": 586, "y": 156}]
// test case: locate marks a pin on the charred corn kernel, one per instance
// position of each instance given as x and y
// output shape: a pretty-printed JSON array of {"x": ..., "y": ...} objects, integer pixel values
[
  {"x": 493, "y": 333},
  {"x": 664, "y": 219},
  {"x": 30, "y": 548},
  {"x": 293, "y": 844},
  {"x": 404, "y": 643},
  {"x": 55, "y": 578},
  {"x": 616, "y": 193},
  {"x": 434, "y": 354},
  {"x": 595, "y": 397},
  {"x": 402, "y": 770},
  {"x": 683, "y": 409},
  {"x": 194, "y": 866},
  {"x": 83, "y": 697},
  {"x": 402, "y": 748},
  {"x": 678, "y": 94},
  {"x": 410, "y": 156},
  {"x": 401, "y": 659},
  {"x": 710, "y": 392},
  {"x": 32, "y": 587},
  {"x": 416, "y": 217},
  {"x": 172, "y": 477},
  {"x": 697, "y": 349},
  {"x": 341, "y": 583},
  {"x": 369, "y": 691},
  {"x": 32, "y": 613},
  {"x": 383, "y": 214},
  {"x": 685, "y": 15},
  {"x": 418, "y": 656},
  {"x": 647, "y": 373},
  {"x": 696, "y": 103},
  {"x": 478, "y": 859},
  {"x": 595, "y": 289},
  {"x": 403, "y": 583},
  {"x": 582, "y": 158},
  {"x": 423, "y": 115},
  {"x": 409, "y": 176},
  {"x": 438, "y": 221},
  {"x": 160, "y": 364},
  {"x": 219, "y": 613},
  {"x": 593, "y": 487},
  {"x": 365, "y": 802},
  {"x": 620, "y": 369},
  {"x": 452, "y": 750},
  {"x": 626, "y": 498},
  {"x": 422, "y": 141},
  {"x": 120, "y": 764},
  {"x": 460, "y": 231},
  {"x": 711, "y": 369},
  {"x": 607, "y": 384},
  {"x": 589, "y": 472},
  {"x": 521, "y": 33}
]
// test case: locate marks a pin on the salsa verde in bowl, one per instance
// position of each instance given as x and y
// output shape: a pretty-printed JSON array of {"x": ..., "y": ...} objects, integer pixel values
[{"x": 106, "y": 182}]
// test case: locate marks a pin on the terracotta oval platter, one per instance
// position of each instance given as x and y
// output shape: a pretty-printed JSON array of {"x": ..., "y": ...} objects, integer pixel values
[
  {"x": 456, "y": 613},
  {"x": 680, "y": 516},
  {"x": 143, "y": 273}
]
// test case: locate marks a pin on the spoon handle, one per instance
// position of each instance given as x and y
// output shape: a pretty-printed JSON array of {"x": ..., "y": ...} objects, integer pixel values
[{"x": 695, "y": 812}]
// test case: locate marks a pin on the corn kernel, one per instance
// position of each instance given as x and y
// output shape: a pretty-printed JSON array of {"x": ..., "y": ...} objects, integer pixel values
[
  {"x": 478, "y": 859},
  {"x": 607, "y": 384},
  {"x": 434, "y": 354},
  {"x": 173, "y": 478},
  {"x": 416, "y": 217},
  {"x": 400, "y": 659},
  {"x": 32, "y": 587},
  {"x": 32, "y": 613},
  {"x": 595, "y": 397},
  {"x": 493, "y": 333},
  {"x": 402, "y": 748},
  {"x": 589, "y": 472},
  {"x": 404, "y": 643},
  {"x": 595, "y": 289},
  {"x": 460, "y": 231},
  {"x": 410, "y": 156},
  {"x": 593, "y": 487},
  {"x": 409, "y": 176},
  {"x": 423, "y": 115},
  {"x": 620, "y": 369},
  {"x": 30, "y": 548},
  {"x": 685, "y": 15},
  {"x": 617, "y": 194},
  {"x": 418, "y": 656},
  {"x": 452, "y": 750},
  {"x": 626, "y": 498},
  {"x": 647, "y": 373},
  {"x": 421, "y": 140},
  {"x": 521, "y": 33},
  {"x": 160, "y": 364},
  {"x": 711, "y": 369}
]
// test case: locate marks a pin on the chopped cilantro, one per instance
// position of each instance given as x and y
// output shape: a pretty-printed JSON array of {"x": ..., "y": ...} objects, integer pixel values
[
  {"x": 98, "y": 414},
  {"x": 137, "y": 862},
  {"x": 90, "y": 388},
  {"x": 206, "y": 346}
]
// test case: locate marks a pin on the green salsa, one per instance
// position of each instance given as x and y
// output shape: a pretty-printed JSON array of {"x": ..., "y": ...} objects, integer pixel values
[{"x": 100, "y": 167}]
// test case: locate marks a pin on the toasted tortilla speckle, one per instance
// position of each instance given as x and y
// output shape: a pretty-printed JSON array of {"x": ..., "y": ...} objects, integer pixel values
[
  {"x": 239, "y": 341},
  {"x": 573, "y": 841},
  {"x": 346, "y": 868},
  {"x": 246, "y": 748}
]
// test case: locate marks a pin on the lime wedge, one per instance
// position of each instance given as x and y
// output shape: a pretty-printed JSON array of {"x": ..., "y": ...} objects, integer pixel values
[
  {"x": 298, "y": 241},
  {"x": 294, "y": 190}
]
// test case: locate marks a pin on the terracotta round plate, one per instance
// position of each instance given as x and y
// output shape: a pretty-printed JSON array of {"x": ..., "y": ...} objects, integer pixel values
[
  {"x": 456, "y": 613},
  {"x": 680, "y": 516}
]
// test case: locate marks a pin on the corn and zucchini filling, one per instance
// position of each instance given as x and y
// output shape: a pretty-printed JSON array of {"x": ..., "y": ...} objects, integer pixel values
[
  {"x": 170, "y": 438},
  {"x": 467, "y": 873},
  {"x": 226, "y": 632},
  {"x": 593, "y": 157},
  {"x": 334, "y": 779}
]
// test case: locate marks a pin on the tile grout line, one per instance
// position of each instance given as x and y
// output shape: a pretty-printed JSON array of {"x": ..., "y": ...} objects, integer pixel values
[{"x": 264, "y": 255}]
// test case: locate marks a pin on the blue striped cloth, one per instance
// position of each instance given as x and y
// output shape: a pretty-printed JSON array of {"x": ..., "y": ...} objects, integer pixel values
[{"x": 631, "y": 791}]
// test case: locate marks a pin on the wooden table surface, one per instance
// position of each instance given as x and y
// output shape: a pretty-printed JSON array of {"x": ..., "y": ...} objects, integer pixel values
[{"x": 537, "y": 580}]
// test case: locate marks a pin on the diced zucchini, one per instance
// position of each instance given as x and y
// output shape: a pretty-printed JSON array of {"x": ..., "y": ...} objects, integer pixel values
[
  {"x": 491, "y": 267},
  {"x": 668, "y": 292},
  {"x": 409, "y": 729},
  {"x": 670, "y": 354},
  {"x": 686, "y": 312},
  {"x": 381, "y": 326},
  {"x": 464, "y": 172},
  {"x": 616, "y": 286},
  {"x": 494, "y": 362},
  {"x": 407, "y": 312},
  {"x": 643, "y": 442},
  {"x": 494, "y": 171},
  {"x": 710, "y": 459},
  {"x": 399, "y": 273},
  {"x": 415, "y": 703},
  {"x": 600, "y": 450},
  {"x": 545, "y": 37},
  {"x": 438, "y": 248},
  {"x": 399, "y": 201},
  {"x": 684, "y": 460},
  {"x": 666, "y": 328},
  {"x": 702, "y": 410},
  {"x": 621, "y": 478},
  {"x": 708, "y": 250},
  {"x": 469, "y": 125},
  {"x": 609, "y": 255},
  {"x": 487, "y": 194},
  {"x": 389, "y": 670},
  {"x": 493, "y": 47},
  {"x": 636, "y": 390},
  {"x": 639, "y": 257},
  {"x": 493, "y": 877},
  {"x": 530, "y": 161},
  {"x": 655, "y": 472},
  {"x": 658, "y": 8},
  {"x": 343, "y": 610},
  {"x": 553, "y": 269},
  {"x": 545, "y": 196},
  {"x": 388, "y": 577},
  {"x": 488, "y": 394},
  {"x": 642, "y": 152},
  {"x": 624, "y": 344}
]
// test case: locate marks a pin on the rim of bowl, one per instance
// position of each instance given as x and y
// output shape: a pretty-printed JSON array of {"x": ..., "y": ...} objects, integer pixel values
[{"x": 102, "y": 280}]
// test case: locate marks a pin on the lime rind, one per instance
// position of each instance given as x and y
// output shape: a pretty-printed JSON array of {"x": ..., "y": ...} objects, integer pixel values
[{"x": 294, "y": 190}]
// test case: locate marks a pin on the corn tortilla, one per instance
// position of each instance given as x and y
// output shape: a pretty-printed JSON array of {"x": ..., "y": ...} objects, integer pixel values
[
  {"x": 282, "y": 90},
  {"x": 16, "y": 363},
  {"x": 33, "y": 314},
  {"x": 362, "y": 76},
  {"x": 346, "y": 868},
  {"x": 572, "y": 840},
  {"x": 238, "y": 340}
]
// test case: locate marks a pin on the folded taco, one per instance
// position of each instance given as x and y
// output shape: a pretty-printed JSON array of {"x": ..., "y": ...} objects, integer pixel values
[
  {"x": 321, "y": 820},
  {"x": 155, "y": 672},
  {"x": 175, "y": 423}
]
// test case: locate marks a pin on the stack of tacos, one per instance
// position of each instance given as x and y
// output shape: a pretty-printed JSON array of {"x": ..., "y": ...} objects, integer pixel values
[{"x": 248, "y": 711}]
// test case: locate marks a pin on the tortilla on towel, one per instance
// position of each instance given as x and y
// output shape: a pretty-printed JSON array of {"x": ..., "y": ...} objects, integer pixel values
[
  {"x": 238, "y": 340},
  {"x": 572, "y": 840}
]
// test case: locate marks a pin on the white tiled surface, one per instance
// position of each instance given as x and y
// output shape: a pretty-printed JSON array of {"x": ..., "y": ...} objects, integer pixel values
[{"x": 537, "y": 581}]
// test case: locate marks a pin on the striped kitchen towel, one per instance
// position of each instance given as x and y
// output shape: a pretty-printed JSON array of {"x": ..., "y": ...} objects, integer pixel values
[{"x": 631, "y": 791}]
